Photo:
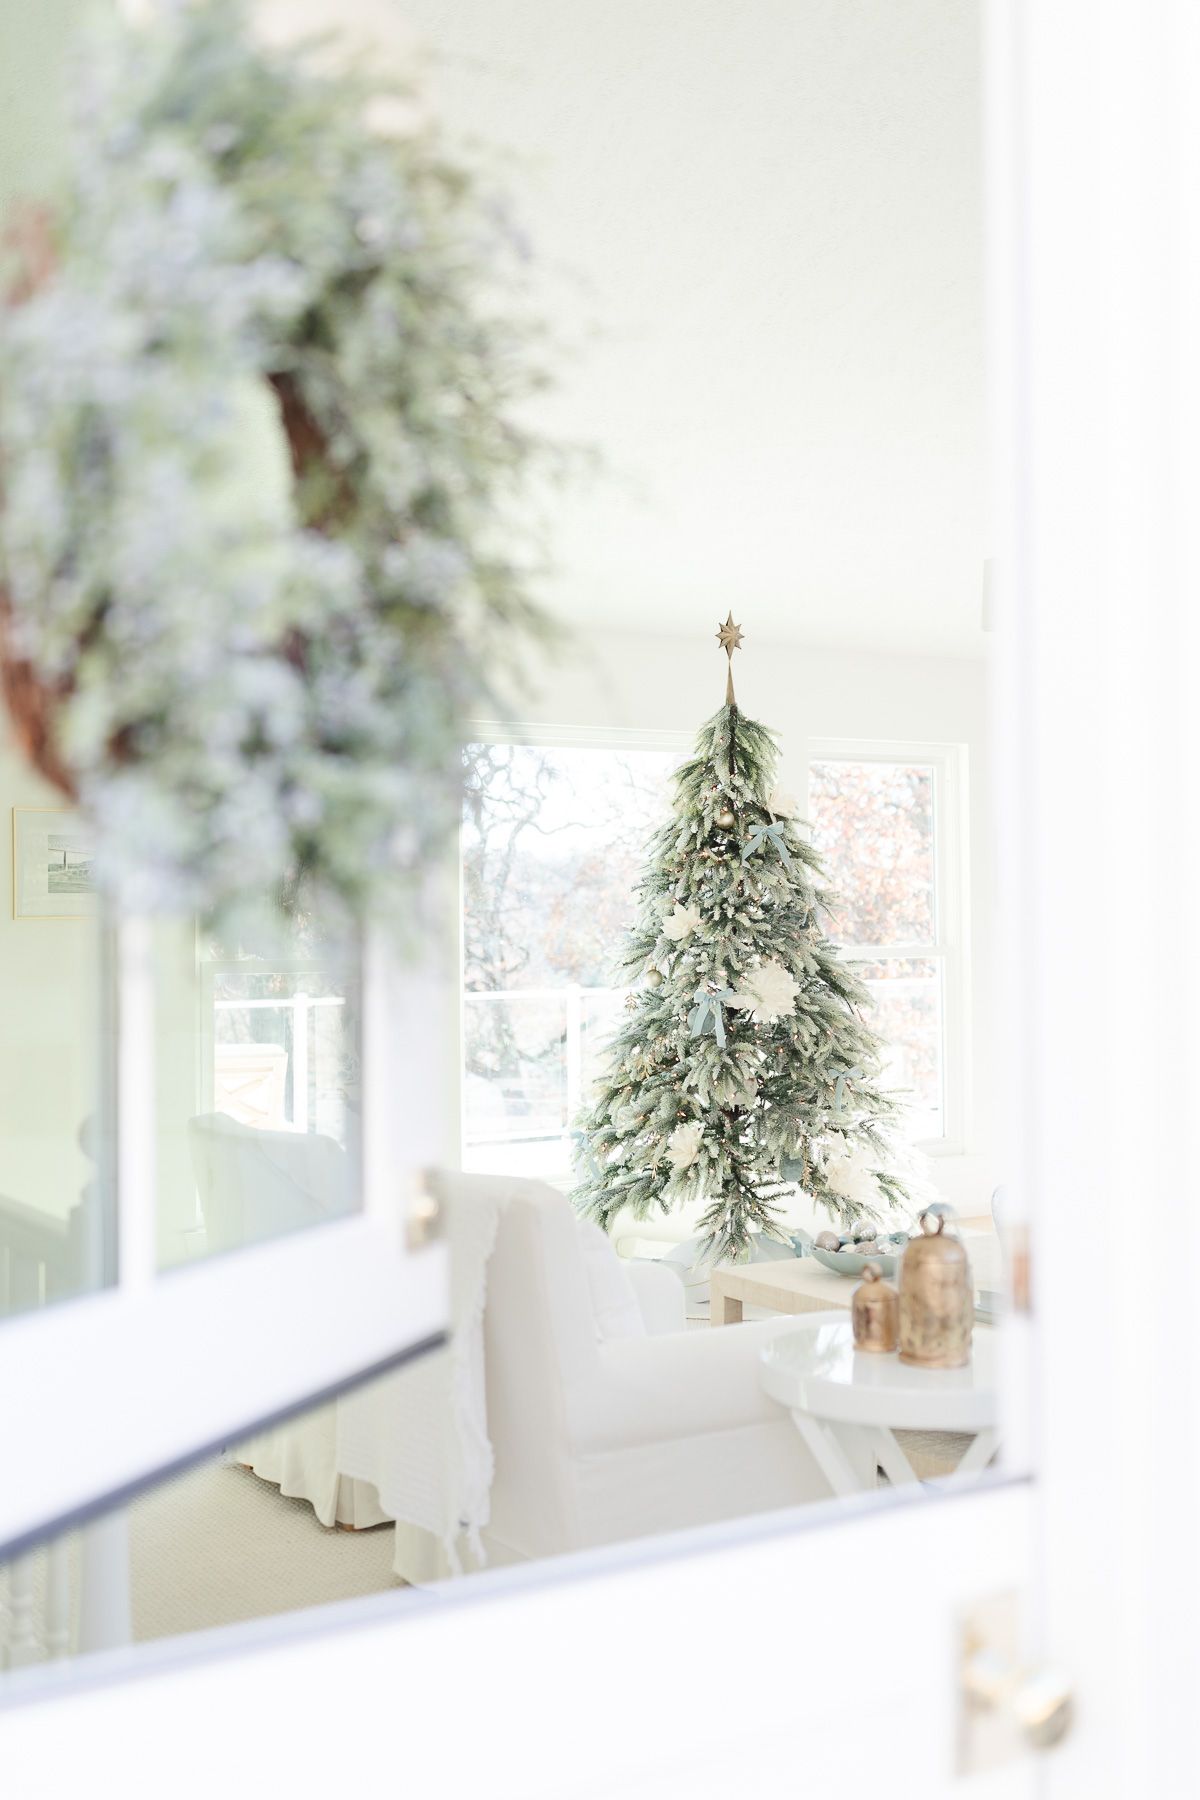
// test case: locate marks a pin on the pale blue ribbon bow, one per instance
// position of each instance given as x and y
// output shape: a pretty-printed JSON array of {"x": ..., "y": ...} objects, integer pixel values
[
  {"x": 758, "y": 837},
  {"x": 707, "y": 1010},
  {"x": 839, "y": 1090}
]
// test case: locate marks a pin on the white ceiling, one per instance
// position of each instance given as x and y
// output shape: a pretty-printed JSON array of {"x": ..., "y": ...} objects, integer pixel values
[{"x": 761, "y": 219}]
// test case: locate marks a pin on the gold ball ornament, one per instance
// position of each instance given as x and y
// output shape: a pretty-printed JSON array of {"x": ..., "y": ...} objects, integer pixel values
[
  {"x": 654, "y": 978},
  {"x": 727, "y": 818}
]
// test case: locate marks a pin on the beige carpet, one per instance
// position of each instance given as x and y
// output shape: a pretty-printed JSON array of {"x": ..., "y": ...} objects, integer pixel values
[{"x": 218, "y": 1545}]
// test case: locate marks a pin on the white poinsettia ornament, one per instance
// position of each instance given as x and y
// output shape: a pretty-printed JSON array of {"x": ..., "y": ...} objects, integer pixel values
[
  {"x": 681, "y": 923},
  {"x": 781, "y": 804},
  {"x": 683, "y": 1145},
  {"x": 851, "y": 1173},
  {"x": 768, "y": 993}
]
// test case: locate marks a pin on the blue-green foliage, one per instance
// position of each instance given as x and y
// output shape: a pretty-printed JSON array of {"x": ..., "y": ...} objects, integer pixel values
[
  {"x": 262, "y": 666},
  {"x": 705, "y": 1097}
]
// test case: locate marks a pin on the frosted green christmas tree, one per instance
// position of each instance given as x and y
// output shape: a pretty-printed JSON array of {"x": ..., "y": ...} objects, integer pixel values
[{"x": 745, "y": 1068}]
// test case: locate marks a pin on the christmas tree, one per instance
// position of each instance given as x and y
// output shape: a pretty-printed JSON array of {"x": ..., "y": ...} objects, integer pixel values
[{"x": 745, "y": 1068}]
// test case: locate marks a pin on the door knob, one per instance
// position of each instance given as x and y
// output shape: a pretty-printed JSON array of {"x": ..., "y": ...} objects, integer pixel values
[
  {"x": 1007, "y": 1705},
  {"x": 1044, "y": 1706},
  {"x": 1039, "y": 1700},
  {"x": 424, "y": 1222}
]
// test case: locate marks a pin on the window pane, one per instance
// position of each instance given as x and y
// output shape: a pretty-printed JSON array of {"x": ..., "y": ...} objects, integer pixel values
[
  {"x": 57, "y": 1195},
  {"x": 553, "y": 844},
  {"x": 873, "y": 823},
  {"x": 906, "y": 1013},
  {"x": 257, "y": 1070},
  {"x": 516, "y": 1088}
]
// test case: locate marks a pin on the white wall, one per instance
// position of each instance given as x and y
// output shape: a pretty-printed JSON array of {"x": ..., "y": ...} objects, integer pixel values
[
  {"x": 48, "y": 1028},
  {"x": 668, "y": 684}
]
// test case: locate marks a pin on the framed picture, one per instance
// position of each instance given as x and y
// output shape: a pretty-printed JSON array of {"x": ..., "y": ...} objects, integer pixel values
[{"x": 52, "y": 865}]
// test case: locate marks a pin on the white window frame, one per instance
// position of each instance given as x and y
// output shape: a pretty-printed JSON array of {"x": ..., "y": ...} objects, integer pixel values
[
  {"x": 949, "y": 764},
  {"x": 952, "y": 913}
]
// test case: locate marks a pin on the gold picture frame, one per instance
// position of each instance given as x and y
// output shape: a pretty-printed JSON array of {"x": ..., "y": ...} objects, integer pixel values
[{"x": 52, "y": 875}]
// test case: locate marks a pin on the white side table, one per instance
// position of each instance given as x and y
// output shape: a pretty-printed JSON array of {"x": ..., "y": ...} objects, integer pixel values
[{"x": 848, "y": 1404}]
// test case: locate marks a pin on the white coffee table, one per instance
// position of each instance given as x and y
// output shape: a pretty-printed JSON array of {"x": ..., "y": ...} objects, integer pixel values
[{"x": 847, "y": 1404}]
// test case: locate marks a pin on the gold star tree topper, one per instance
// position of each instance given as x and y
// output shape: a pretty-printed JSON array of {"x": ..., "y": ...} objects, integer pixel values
[{"x": 729, "y": 636}]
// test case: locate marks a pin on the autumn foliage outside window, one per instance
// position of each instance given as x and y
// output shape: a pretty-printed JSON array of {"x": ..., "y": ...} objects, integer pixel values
[{"x": 875, "y": 823}]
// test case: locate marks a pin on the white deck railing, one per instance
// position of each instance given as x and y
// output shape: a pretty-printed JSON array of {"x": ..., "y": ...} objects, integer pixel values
[
  {"x": 301, "y": 1006},
  {"x": 577, "y": 1027}
]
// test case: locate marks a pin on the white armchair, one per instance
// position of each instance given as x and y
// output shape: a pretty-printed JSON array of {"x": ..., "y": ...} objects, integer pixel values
[
  {"x": 607, "y": 1419},
  {"x": 256, "y": 1184},
  {"x": 603, "y": 1437}
]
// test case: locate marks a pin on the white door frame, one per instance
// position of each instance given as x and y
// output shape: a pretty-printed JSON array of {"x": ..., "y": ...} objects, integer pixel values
[
  {"x": 1096, "y": 216},
  {"x": 534, "y": 1686}
]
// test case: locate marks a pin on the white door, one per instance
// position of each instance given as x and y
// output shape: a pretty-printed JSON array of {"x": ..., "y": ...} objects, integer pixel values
[
  {"x": 143, "y": 1366},
  {"x": 821, "y": 1654}
]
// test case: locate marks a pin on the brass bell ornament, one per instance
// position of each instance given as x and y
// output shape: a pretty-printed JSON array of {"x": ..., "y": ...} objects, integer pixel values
[
  {"x": 875, "y": 1313},
  {"x": 937, "y": 1309}
]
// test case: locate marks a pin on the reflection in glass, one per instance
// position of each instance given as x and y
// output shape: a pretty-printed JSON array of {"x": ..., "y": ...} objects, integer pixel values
[
  {"x": 553, "y": 847},
  {"x": 57, "y": 1208},
  {"x": 258, "y": 1084}
]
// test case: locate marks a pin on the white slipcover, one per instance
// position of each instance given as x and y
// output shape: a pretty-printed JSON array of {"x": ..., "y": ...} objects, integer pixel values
[
  {"x": 595, "y": 1437},
  {"x": 596, "y": 1441}
]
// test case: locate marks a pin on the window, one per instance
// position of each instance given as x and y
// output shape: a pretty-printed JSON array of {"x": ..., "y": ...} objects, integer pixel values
[
  {"x": 886, "y": 820},
  {"x": 554, "y": 839}
]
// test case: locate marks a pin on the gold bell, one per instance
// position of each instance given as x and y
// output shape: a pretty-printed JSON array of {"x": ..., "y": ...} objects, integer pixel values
[
  {"x": 875, "y": 1312},
  {"x": 936, "y": 1299}
]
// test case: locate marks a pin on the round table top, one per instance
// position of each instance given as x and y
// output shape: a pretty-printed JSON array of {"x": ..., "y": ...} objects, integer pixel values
[{"x": 813, "y": 1367}]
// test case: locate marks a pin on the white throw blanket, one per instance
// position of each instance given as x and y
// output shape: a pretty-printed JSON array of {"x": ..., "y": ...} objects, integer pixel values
[{"x": 420, "y": 1437}]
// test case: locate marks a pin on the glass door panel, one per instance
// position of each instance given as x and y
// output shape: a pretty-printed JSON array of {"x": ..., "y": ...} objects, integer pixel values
[{"x": 257, "y": 1071}]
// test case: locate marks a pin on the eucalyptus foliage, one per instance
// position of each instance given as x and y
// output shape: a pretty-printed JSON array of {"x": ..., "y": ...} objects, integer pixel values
[
  {"x": 261, "y": 662},
  {"x": 745, "y": 1067}
]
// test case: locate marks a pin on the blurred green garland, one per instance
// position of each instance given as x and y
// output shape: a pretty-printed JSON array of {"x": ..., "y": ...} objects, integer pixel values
[{"x": 246, "y": 652}]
